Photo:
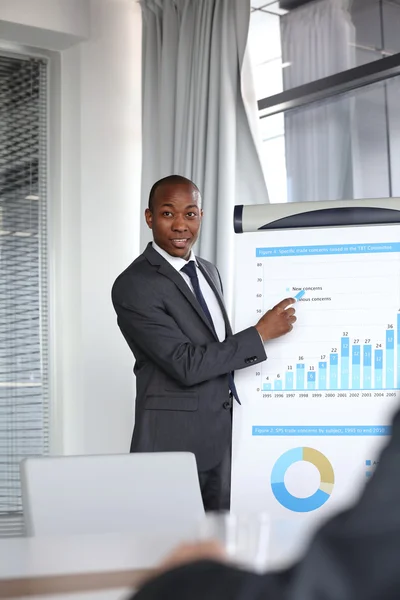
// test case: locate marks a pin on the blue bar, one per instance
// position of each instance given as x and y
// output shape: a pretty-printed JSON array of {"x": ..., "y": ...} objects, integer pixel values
[
  {"x": 398, "y": 351},
  {"x": 367, "y": 367},
  {"x": 299, "y": 295},
  {"x": 278, "y": 384},
  {"x": 344, "y": 363},
  {"x": 267, "y": 387},
  {"x": 289, "y": 380},
  {"x": 355, "y": 367},
  {"x": 333, "y": 371},
  {"x": 299, "y": 376},
  {"x": 389, "y": 383},
  {"x": 322, "y": 376},
  {"x": 378, "y": 364},
  {"x": 311, "y": 376}
]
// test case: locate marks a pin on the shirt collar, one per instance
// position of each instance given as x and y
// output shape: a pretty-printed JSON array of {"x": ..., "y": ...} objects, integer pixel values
[{"x": 175, "y": 261}]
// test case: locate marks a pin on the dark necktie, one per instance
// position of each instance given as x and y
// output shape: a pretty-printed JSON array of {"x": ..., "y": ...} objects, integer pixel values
[{"x": 190, "y": 270}]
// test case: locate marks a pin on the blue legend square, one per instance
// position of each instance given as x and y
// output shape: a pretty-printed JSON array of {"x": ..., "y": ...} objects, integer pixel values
[
  {"x": 368, "y": 474},
  {"x": 368, "y": 463}
]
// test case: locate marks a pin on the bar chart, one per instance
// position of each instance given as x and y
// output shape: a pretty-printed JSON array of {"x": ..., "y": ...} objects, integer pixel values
[
  {"x": 326, "y": 390},
  {"x": 354, "y": 366},
  {"x": 347, "y": 337}
]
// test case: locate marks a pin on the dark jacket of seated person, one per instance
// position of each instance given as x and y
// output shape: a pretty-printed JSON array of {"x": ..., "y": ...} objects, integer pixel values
[{"x": 354, "y": 556}]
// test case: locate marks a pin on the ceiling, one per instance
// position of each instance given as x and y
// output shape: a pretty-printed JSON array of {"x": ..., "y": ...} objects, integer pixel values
[
  {"x": 273, "y": 6},
  {"x": 268, "y": 6}
]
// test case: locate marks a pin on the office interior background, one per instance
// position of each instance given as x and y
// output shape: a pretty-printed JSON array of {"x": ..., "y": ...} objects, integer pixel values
[{"x": 327, "y": 82}]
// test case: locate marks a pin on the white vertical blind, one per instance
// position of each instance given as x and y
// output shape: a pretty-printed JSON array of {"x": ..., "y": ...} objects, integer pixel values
[{"x": 24, "y": 422}]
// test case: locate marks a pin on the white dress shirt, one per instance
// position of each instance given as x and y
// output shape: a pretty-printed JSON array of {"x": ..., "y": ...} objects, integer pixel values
[{"x": 213, "y": 306}]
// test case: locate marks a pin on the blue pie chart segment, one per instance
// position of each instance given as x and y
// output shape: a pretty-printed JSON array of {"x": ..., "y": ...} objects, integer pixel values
[{"x": 322, "y": 494}]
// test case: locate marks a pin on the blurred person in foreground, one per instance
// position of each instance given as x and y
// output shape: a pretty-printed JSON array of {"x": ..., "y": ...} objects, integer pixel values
[{"x": 354, "y": 556}]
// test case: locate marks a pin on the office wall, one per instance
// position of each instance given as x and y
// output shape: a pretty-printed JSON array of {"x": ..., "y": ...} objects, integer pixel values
[
  {"x": 110, "y": 204},
  {"x": 51, "y": 24},
  {"x": 94, "y": 200},
  {"x": 66, "y": 16}
]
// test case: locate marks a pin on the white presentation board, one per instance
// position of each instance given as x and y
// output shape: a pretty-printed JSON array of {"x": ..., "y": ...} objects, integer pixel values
[{"x": 316, "y": 413}]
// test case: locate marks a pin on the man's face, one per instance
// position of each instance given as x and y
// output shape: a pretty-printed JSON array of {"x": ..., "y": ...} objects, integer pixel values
[{"x": 175, "y": 219}]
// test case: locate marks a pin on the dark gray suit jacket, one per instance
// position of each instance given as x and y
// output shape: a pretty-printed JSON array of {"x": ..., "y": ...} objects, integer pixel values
[
  {"x": 182, "y": 399},
  {"x": 355, "y": 556}
]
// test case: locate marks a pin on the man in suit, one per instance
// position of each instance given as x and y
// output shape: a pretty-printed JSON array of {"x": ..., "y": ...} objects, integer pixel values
[
  {"x": 354, "y": 556},
  {"x": 171, "y": 312}
]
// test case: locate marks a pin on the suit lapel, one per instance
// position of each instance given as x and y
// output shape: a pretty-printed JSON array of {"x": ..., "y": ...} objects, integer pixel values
[
  {"x": 165, "y": 269},
  {"x": 217, "y": 291}
]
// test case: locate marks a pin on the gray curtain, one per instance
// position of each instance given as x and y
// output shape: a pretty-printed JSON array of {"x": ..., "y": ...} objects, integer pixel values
[
  {"x": 318, "y": 40},
  {"x": 200, "y": 113}
]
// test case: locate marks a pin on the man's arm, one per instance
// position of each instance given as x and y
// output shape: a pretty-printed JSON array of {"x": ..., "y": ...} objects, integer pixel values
[
  {"x": 143, "y": 318},
  {"x": 355, "y": 556}
]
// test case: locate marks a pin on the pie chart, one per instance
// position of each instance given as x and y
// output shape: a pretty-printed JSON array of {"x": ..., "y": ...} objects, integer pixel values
[{"x": 321, "y": 495}]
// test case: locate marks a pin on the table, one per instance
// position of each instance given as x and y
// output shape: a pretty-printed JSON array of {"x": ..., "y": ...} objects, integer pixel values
[
  {"x": 45, "y": 566},
  {"x": 52, "y": 565}
]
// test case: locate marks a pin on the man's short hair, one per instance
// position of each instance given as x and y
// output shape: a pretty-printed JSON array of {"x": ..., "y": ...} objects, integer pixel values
[{"x": 170, "y": 180}]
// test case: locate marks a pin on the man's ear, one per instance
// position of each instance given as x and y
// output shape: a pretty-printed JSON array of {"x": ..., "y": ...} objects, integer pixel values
[{"x": 148, "y": 215}]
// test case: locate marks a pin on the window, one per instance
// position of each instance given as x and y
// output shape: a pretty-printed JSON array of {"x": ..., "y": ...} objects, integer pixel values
[
  {"x": 327, "y": 75},
  {"x": 24, "y": 424},
  {"x": 266, "y": 50},
  {"x": 350, "y": 33}
]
